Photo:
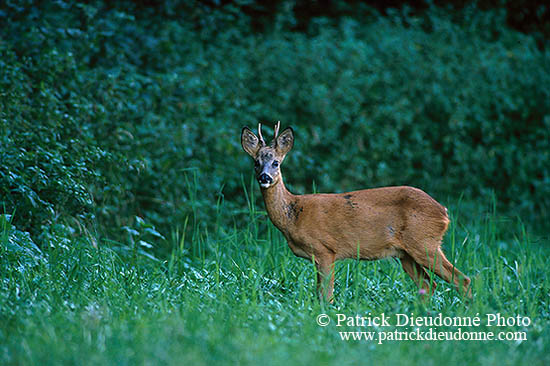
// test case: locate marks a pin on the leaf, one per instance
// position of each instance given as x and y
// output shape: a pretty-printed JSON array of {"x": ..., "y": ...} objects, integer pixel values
[
  {"x": 145, "y": 244},
  {"x": 155, "y": 233}
]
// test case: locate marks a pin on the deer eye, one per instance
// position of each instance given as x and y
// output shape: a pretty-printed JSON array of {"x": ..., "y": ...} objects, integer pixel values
[{"x": 275, "y": 164}]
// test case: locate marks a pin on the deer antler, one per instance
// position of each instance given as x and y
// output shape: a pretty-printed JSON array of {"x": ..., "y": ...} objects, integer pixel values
[
  {"x": 277, "y": 129},
  {"x": 260, "y": 133}
]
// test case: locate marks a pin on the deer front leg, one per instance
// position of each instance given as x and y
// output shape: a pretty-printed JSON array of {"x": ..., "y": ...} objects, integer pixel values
[{"x": 325, "y": 277}]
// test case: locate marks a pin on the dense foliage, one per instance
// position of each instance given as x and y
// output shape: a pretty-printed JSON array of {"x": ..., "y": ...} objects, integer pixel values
[{"x": 111, "y": 112}]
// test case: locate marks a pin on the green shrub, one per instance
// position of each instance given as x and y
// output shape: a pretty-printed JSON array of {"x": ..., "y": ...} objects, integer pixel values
[{"x": 112, "y": 112}]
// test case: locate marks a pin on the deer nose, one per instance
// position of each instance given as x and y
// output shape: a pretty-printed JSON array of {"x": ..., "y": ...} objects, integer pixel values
[{"x": 265, "y": 179}]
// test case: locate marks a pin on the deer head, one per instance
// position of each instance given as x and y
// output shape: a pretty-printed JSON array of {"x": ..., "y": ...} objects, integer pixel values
[{"x": 267, "y": 158}]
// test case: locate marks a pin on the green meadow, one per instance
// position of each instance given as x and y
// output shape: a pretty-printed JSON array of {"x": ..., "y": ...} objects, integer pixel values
[{"x": 239, "y": 296}]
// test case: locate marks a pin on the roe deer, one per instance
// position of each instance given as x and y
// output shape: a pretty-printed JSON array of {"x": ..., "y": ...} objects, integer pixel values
[{"x": 402, "y": 222}]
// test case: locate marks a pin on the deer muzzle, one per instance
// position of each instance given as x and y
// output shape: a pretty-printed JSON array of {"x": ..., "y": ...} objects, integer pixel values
[{"x": 265, "y": 180}]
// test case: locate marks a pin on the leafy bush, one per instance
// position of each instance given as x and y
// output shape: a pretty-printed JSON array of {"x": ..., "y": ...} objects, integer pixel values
[
  {"x": 17, "y": 249},
  {"x": 112, "y": 112}
]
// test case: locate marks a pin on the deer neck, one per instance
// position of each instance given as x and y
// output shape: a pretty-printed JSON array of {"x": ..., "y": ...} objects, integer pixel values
[{"x": 280, "y": 205}]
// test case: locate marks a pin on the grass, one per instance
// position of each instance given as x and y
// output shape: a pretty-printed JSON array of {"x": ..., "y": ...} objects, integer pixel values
[{"x": 237, "y": 295}]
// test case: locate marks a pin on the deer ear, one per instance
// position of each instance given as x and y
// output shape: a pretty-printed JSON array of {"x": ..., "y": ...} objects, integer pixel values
[
  {"x": 285, "y": 141},
  {"x": 250, "y": 142}
]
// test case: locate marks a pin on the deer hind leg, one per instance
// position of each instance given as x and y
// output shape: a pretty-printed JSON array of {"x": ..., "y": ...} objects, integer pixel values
[
  {"x": 433, "y": 258},
  {"x": 418, "y": 274}
]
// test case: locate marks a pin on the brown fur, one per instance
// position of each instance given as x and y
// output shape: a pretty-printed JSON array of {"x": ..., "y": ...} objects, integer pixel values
[{"x": 402, "y": 222}]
